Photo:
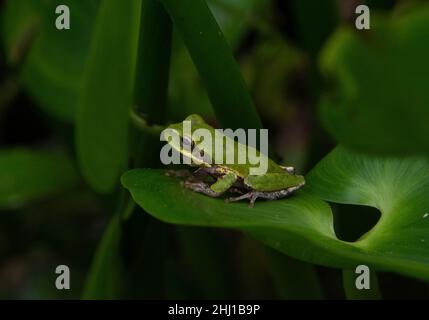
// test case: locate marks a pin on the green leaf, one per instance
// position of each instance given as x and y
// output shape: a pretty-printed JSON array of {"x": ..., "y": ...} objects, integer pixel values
[
  {"x": 398, "y": 187},
  {"x": 107, "y": 95},
  {"x": 29, "y": 175},
  {"x": 215, "y": 63},
  {"x": 302, "y": 225},
  {"x": 54, "y": 59},
  {"x": 380, "y": 98},
  {"x": 168, "y": 201},
  {"x": 104, "y": 280}
]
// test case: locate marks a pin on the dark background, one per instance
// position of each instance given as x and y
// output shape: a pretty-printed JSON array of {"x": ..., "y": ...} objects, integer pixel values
[{"x": 66, "y": 228}]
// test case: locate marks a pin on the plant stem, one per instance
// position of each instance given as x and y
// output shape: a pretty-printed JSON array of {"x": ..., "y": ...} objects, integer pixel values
[
  {"x": 141, "y": 124},
  {"x": 151, "y": 85},
  {"x": 153, "y": 62},
  {"x": 153, "y": 65},
  {"x": 215, "y": 63}
]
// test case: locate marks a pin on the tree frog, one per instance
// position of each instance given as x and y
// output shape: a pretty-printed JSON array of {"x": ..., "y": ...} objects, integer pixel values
[{"x": 236, "y": 178}]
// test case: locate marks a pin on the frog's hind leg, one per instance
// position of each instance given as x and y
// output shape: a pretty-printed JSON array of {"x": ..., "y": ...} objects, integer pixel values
[
  {"x": 252, "y": 196},
  {"x": 273, "y": 195}
]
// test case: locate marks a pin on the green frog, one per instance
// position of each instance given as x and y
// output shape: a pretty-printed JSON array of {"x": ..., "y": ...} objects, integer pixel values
[{"x": 214, "y": 180}]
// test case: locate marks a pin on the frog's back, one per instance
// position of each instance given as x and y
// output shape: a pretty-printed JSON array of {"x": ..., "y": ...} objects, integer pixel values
[{"x": 243, "y": 170}]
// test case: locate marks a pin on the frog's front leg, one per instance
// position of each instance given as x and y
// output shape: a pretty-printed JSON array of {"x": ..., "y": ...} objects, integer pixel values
[
  {"x": 201, "y": 187},
  {"x": 216, "y": 189},
  {"x": 224, "y": 183}
]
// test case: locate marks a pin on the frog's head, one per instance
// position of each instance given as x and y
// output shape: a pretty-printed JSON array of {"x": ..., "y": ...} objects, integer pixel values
[{"x": 183, "y": 140}]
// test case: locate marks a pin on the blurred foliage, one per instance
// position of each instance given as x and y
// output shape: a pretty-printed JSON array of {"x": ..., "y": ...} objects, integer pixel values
[
  {"x": 103, "y": 110},
  {"x": 380, "y": 95},
  {"x": 51, "y": 62},
  {"x": 28, "y": 175},
  {"x": 65, "y": 95}
]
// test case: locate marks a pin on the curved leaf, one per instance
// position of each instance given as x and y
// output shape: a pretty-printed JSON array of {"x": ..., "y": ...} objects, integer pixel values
[
  {"x": 28, "y": 175},
  {"x": 302, "y": 225},
  {"x": 398, "y": 187},
  {"x": 381, "y": 93},
  {"x": 107, "y": 95}
]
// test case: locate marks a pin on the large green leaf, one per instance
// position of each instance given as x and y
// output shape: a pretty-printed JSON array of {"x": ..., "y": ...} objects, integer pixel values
[
  {"x": 107, "y": 94},
  {"x": 380, "y": 96},
  {"x": 54, "y": 64},
  {"x": 398, "y": 187},
  {"x": 29, "y": 175},
  {"x": 302, "y": 225}
]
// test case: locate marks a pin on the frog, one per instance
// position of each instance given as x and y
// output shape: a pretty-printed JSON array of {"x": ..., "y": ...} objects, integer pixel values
[{"x": 233, "y": 178}]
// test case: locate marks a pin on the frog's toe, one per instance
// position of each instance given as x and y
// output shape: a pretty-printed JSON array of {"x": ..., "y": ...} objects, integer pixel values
[{"x": 252, "y": 196}]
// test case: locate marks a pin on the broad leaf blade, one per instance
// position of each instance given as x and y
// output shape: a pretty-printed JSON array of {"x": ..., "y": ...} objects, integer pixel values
[
  {"x": 398, "y": 187},
  {"x": 302, "y": 215},
  {"x": 302, "y": 225},
  {"x": 29, "y": 175},
  {"x": 107, "y": 95}
]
